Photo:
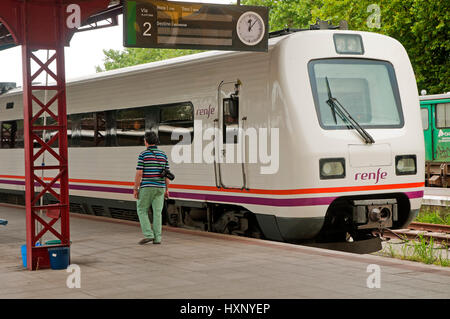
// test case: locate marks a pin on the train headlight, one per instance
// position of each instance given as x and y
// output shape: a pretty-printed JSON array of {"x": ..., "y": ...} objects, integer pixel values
[
  {"x": 331, "y": 168},
  {"x": 405, "y": 165},
  {"x": 348, "y": 44}
]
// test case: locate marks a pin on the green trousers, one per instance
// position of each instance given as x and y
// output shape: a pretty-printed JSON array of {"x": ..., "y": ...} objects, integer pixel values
[{"x": 151, "y": 196}]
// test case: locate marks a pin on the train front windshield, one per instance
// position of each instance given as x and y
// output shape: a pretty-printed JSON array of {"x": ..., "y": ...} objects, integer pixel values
[{"x": 366, "y": 88}]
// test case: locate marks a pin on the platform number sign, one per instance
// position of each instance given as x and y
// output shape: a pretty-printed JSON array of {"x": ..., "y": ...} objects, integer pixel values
[{"x": 189, "y": 25}]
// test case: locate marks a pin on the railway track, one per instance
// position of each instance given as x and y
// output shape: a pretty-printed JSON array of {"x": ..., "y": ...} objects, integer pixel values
[{"x": 439, "y": 233}]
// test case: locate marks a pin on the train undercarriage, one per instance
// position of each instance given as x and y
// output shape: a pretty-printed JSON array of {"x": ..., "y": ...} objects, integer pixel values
[{"x": 226, "y": 219}]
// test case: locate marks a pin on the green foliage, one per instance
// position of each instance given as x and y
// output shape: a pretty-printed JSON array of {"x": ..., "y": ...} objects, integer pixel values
[
  {"x": 444, "y": 260},
  {"x": 287, "y": 13},
  {"x": 424, "y": 251},
  {"x": 422, "y": 26},
  {"x": 431, "y": 216},
  {"x": 420, "y": 250},
  {"x": 115, "y": 59}
]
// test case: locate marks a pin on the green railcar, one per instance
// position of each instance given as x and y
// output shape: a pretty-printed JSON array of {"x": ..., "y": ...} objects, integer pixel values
[{"x": 435, "y": 111}]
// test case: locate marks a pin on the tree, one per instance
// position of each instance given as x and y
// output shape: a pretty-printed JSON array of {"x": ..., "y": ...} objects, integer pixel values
[
  {"x": 116, "y": 59},
  {"x": 287, "y": 13}
]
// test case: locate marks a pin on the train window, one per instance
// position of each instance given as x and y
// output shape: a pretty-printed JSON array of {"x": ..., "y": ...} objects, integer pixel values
[
  {"x": 100, "y": 129},
  {"x": 230, "y": 120},
  {"x": 127, "y": 127},
  {"x": 425, "y": 119},
  {"x": 38, "y": 132},
  {"x": 152, "y": 118},
  {"x": 74, "y": 130},
  {"x": 11, "y": 134},
  {"x": 90, "y": 130},
  {"x": 86, "y": 129},
  {"x": 443, "y": 115},
  {"x": 366, "y": 88},
  {"x": 130, "y": 126},
  {"x": 19, "y": 143},
  {"x": 176, "y": 124},
  {"x": 8, "y": 131},
  {"x": 111, "y": 128},
  {"x": 48, "y": 134}
]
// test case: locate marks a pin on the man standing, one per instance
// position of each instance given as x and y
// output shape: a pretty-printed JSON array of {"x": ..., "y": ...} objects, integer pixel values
[{"x": 150, "y": 188}]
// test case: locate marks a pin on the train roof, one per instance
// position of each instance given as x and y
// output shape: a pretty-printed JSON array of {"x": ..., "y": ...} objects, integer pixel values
[
  {"x": 192, "y": 58},
  {"x": 145, "y": 67},
  {"x": 443, "y": 96}
]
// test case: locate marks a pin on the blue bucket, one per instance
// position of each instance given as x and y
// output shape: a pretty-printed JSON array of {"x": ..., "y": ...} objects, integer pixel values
[
  {"x": 59, "y": 257},
  {"x": 23, "y": 250}
]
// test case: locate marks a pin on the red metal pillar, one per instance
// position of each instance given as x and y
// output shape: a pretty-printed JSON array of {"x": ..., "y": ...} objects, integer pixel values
[
  {"x": 35, "y": 145},
  {"x": 44, "y": 24}
]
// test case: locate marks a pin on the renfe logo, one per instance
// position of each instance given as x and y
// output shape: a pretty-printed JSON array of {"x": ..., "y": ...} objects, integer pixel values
[
  {"x": 371, "y": 176},
  {"x": 206, "y": 111}
]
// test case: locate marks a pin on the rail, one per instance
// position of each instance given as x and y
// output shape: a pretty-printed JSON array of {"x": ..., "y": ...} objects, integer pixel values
[
  {"x": 437, "y": 233},
  {"x": 430, "y": 227}
]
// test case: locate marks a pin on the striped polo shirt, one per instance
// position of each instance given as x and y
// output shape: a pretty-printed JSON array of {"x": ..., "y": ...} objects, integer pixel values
[{"x": 152, "y": 161}]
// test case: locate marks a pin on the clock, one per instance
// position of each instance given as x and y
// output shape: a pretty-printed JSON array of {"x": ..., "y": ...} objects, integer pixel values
[{"x": 250, "y": 28}]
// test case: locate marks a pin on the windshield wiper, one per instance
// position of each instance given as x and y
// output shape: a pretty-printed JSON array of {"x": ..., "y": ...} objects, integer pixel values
[{"x": 339, "y": 109}]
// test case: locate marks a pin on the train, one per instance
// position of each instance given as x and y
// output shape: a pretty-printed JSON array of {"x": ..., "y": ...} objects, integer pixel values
[
  {"x": 317, "y": 140},
  {"x": 436, "y": 131}
]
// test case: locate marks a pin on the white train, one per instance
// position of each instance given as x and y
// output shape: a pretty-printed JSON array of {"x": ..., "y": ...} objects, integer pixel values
[{"x": 339, "y": 110}]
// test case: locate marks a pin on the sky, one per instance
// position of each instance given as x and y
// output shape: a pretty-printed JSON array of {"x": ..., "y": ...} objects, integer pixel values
[{"x": 83, "y": 55}]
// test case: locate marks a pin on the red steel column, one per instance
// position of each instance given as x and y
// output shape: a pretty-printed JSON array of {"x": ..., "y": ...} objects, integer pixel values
[{"x": 36, "y": 145}]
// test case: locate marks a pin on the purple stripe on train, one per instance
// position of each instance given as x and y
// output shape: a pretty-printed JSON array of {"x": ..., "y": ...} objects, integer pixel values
[{"x": 257, "y": 200}]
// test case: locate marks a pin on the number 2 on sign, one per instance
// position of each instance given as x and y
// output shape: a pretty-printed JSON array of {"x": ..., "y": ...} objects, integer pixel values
[{"x": 147, "y": 25}]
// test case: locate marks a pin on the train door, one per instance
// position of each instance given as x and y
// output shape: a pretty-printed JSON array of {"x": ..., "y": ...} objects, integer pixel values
[
  {"x": 441, "y": 132},
  {"x": 427, "y": 131},
  {"x": 230, "y": 168}
]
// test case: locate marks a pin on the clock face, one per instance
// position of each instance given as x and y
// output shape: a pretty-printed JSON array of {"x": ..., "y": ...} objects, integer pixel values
[{"x": 250, "y": 28}]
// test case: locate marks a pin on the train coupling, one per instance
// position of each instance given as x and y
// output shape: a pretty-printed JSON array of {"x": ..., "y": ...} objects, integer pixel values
[{"x": 375, "y": 213}]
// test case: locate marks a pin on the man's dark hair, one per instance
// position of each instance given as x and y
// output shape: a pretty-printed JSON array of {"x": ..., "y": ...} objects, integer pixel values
[{"x": 151, "y": 138}]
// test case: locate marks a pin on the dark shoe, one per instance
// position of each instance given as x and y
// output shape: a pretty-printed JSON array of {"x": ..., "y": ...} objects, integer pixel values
[
  {"x": 145, "y": 240},
  {"x": 156, "y": 242}
]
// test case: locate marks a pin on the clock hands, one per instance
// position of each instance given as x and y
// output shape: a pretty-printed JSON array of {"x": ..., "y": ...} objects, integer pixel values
[{"x": 250, "y": 24}]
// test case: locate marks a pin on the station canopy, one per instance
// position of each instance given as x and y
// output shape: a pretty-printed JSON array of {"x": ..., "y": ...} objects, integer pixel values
[
  {"x": 6, "y": 39},
  {"x": 106, "y": 18}
]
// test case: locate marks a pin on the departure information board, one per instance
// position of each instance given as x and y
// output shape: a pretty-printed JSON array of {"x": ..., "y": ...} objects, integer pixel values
[{"x": 188, "y": 25}]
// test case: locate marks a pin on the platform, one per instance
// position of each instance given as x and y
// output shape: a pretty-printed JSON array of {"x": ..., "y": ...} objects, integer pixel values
[
  {"x": 197, "y": 265},
  {"x": 436, "y": 196}
]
